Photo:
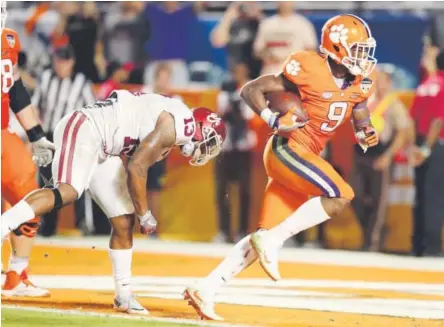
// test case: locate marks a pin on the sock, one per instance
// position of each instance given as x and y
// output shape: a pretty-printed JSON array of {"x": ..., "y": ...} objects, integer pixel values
[
  {"x": 17, "y": 215},
  {"x": 239, "y": 258},
  {"x": 18, "y": 264},
  {"x": 121, "y": 260},
  {"x": 310, "y": 214}
]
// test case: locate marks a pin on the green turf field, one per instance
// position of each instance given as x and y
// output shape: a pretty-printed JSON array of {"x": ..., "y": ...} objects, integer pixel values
[{"x": 21, "y": 318}]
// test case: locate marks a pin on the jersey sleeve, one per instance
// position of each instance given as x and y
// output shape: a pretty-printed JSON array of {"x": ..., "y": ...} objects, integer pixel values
[
  {"x": 184, "y": 123},
  {"x": 296, "y": 68}
]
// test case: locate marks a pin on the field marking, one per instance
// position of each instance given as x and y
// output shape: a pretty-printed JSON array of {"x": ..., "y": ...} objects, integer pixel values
[
  {"x": 262, "y": 292},
  {"x": 292, "y": 255},
  {"x": 123, "y": 316}
]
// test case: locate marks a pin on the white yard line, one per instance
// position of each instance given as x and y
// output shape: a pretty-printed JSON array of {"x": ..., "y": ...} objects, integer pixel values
[
  {"x": 121, "y": 316},
  {"x": 312, "y": 256}
]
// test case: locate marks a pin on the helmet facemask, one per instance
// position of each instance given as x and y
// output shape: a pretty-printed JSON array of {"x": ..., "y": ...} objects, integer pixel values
[
  {"x": 205, "y": 150},
  {"x": 360, "y": 59},
  {"x": 208, "y": 148}
]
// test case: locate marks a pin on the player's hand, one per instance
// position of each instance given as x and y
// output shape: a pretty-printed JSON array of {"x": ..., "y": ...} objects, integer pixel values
[
  {"x": 371, "y": 137},
  {"x": 285, "y": 123},
  {"x": 367, "y": 138},
  {"x": 42, "y": 152},
  {"x": 147, "y": 223}
]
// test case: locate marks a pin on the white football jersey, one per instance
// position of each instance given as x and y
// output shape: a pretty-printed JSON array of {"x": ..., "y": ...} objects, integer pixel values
[{"x": 125, "y": 119}]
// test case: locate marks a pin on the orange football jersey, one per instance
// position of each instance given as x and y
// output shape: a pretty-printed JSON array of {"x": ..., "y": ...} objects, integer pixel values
[
  {"x": 9, "y": 58},
  {"x": 327, "y": 105}
]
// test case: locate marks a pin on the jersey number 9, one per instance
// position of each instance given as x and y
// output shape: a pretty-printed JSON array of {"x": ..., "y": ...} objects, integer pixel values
[{"x": 336, "y": 114}]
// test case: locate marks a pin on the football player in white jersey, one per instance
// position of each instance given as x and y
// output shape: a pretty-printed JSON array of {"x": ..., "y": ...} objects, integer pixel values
[{"x": 107, "y": 148}]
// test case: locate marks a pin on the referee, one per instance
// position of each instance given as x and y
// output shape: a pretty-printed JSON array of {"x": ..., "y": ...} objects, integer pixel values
[
  {"x": 61, "y": 90},
  {"x": 428, "y": 159}
]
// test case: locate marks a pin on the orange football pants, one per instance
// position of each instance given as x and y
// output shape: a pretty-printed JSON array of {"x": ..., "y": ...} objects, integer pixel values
[
  {"x": 295, "y": 174},
  {"x": 18, "y": 169}
]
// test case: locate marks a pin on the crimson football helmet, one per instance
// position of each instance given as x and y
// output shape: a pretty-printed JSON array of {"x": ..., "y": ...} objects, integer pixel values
[{"x": 208, "y": 137}]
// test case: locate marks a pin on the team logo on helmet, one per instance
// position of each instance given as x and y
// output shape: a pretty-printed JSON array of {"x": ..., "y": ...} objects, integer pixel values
[
  {"x": 338, "y": 34},
  {"x": 214, "y": 119}
]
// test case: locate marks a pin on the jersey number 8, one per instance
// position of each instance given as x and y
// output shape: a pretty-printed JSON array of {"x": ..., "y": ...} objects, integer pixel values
[
  {"x": 336, "y": 114},
  {"x": 7, "y": 75}
]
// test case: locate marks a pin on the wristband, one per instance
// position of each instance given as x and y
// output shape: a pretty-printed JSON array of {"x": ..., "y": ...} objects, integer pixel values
[
  {"x": 35, "y": 133},
  {"x": 425, "y": 150},
  {"x": 268, "y": 116}
]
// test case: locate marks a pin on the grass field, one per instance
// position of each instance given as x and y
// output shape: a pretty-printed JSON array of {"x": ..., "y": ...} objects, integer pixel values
[
  {"x": 29, "y": 318},
  {"x": 319, "y": 288}
]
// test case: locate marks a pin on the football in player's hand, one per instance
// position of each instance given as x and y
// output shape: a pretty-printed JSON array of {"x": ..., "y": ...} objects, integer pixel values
[{"x": 283, "y": 102}]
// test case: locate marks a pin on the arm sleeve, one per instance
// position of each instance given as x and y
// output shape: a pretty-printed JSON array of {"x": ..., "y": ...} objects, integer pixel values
[{"x": 19, "y": 97}]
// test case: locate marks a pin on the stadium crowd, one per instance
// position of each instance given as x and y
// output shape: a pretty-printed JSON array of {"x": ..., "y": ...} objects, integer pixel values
[{"x": 76, "y": 52}]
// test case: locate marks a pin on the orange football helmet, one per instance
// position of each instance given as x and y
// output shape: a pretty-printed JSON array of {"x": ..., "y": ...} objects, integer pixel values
[{"x": 347, "y": 39}]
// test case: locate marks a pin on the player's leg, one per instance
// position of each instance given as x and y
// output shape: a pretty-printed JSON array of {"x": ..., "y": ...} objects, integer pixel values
[
  {"x": 305, "y": 172},
  {"x": 278, "y": 203},
  {"x": 18, "y": 179},
  {"x": 108, "y": 188},
  {"x": 74, "y": 161}
]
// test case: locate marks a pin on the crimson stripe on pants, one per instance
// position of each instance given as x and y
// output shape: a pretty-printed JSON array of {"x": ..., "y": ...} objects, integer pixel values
[
  {"x": 73, "y": 147},
  {"x": 65, "y": 144}
]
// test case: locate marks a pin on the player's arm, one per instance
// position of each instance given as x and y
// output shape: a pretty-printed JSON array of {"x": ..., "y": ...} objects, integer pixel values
[
  {"x": 362, "y": 124},
  {"x": 254, "y": 92},
  {"x": 148, "y": 152},
  {"x": 26, "y": 113}
]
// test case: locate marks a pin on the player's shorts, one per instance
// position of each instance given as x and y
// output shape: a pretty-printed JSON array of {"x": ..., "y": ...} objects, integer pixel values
[
  {"x": 80, "y": 162},
  {"x": 18, "y": 169},
  {"x": 156, "y": 176},
  {"x": 295, "y": 174}
]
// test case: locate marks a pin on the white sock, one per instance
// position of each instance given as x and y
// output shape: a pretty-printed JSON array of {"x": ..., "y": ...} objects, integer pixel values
[
  {"x": 18, "y": 264},
  {"x": 17, "y": 215},
  {"x": 239, "y": 258},
  {"x": 310, "y": 214},
  {"x": 121, "y": 260}
]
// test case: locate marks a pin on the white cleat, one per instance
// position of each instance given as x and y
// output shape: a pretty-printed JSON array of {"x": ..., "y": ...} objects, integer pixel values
[
  {"x": 130, "y": 306},
  {"x": 19, "y": 286},
  {"x": 204, "y": 305},
  {"x": 267, "y": 252}
]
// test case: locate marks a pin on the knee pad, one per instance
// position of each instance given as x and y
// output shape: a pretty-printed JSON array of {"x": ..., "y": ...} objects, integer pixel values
[{"x": 58, "y": 201}]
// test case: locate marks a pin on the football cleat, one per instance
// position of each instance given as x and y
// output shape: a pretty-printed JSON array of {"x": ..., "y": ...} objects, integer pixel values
[
  {"x": 130, "y": 306},
  {"x": 267, "y": 252},
  {"x": 20, "y": 285},
  {"x": 204, "y": 305}
]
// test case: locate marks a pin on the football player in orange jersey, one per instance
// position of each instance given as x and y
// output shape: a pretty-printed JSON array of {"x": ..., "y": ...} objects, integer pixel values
[
  {"x": 18, "y": 168},
  {"x": 303, "y": 189}
]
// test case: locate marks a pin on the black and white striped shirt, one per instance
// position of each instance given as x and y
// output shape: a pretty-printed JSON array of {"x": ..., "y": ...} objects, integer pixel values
[{"x": 56, "y": 97}]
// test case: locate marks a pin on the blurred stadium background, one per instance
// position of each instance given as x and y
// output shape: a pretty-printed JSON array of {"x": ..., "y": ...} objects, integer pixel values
[{"x": 201, "y": 52}]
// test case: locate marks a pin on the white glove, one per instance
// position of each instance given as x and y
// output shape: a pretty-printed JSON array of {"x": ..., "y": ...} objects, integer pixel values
[
  {"x": 147, "y": 223},
  {"x": 42, "y": 152}
]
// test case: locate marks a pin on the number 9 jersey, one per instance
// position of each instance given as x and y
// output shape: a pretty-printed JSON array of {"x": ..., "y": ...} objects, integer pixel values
[
  {"x": 9, "y": 58},
  {"x": 328, "y": 105}
]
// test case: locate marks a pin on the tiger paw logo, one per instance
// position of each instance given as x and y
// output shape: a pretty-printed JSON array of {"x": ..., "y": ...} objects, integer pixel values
[
  {"x": 293, "y": 68},
  {"x": 338, "y": 34}
]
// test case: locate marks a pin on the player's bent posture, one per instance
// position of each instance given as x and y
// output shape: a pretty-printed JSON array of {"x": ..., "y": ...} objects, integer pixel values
[
  {"x": 303, "y": 189},
  {"x": 107, "y": 147},
  {"x": 18, "y": 168}
]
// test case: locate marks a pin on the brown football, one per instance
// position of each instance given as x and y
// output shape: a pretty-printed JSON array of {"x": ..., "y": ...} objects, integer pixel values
[{"x": 282, "y": 102}]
